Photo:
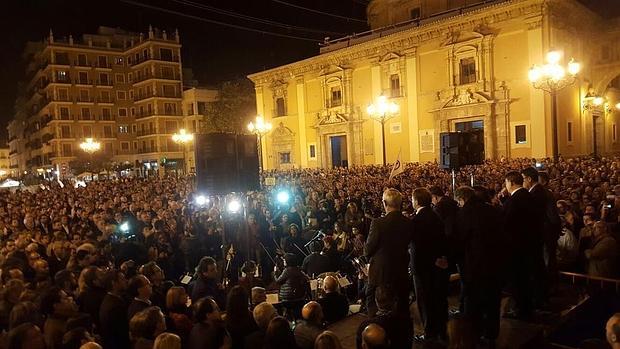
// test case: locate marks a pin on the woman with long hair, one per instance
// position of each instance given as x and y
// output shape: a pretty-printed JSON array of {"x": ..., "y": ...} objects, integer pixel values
[{"x": 239, "y": 320}]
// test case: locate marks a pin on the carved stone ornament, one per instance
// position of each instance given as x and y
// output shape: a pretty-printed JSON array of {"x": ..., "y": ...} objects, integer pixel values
[
  {"x": 282, "y": 133},
  {"x": 332, "y": 117},
  {"x": 463, "y": 98}
]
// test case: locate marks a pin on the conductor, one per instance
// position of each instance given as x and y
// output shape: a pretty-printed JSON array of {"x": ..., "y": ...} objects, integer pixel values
[{"x": 387, "y": 251}]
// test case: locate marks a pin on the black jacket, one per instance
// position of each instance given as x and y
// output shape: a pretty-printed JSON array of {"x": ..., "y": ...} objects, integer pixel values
[
  {"x": 135, "y": 307},
  {"x": 386, "y": 248},
  {"x": 335, "y": 307},
  {"x": 481, "y": 240},
  {"x": 519, "y": 223},
  {"x": 113, "y": 323},
  {"x": 429, "y": 242},
  {"x": 547, "y": 211}
]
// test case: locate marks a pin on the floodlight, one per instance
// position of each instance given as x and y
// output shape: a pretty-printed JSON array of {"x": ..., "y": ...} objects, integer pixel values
[
  {"x": 283, "y": 197},
  {"x": 201, "y": 200},
  {"x": 234, "y": 206}
]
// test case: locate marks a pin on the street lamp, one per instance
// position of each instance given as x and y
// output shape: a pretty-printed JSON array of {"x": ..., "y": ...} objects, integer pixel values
[
  {"x": 553, "y": 77},
  {"x": 90, "y": 146},
  {"x": 182, "y": 138},
  {"x": 260, "y": 127},
  {"x": 382, "y": 111}
]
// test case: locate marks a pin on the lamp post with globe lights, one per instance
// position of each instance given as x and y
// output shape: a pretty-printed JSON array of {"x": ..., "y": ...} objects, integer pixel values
[
  {"x": 90, "y": 146},
  {"x": 260, "y": 127},
  {"x": 182, "y": 138},
  {"x": 553, "y": 77},
  {"x": 382, "y": 110}
]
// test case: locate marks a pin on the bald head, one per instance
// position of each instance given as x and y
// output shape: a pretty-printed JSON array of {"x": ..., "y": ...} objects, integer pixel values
[
  {"x": 90, "y": 345},
  {"x": 312, "y": 312},
  {"x": 374, "y": 337},
  {"x": 392, "y": 199},
  {"x": 612, "y": 331},
  {"x": 330, "y": 284},
  {"x": 263, "y": 313}
]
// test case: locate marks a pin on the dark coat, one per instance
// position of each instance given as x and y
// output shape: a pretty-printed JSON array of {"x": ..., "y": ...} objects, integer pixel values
[
  {"x": 428, "y": 243},
  {"x": 398, "y": 329},
  {"x": 519, "y": 223},
  {"x": 386, "y": 248},
  {"x": 202, "y": 287},
  {"x": 335, "y": 307},
  {"x": 206, "y": 336},
  {"x": 481, "y": 240},
  {"x": 114, "y": 325},
  {"x": 135, "y": 307}
]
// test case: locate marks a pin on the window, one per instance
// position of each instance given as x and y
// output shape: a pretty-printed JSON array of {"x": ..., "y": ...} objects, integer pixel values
[
  {"x": 119, "y": 60},
  {"x": 62, "y": 58},
  {"x": 168, "y": 90},
  {"x": 312, "y": 151},
  {"x": 167, "y": 73},
  {"x": 145, "y": 54},
  {"x": 395, "y": 85},
  {"x": 129, "y": 60},
  {"x": 165, "y": 54},
  {"x": 65, "y": 131},
  {"x": 202, "y": 108},
  {"x": 103, "y": 79},
  {"x": 81, "y": 61},
  {"x": 193, "y": 126},
  {"x": 83, "y": 78},
  {"x": 122, "y": 112},
  {"x": 613, "y": 133},
  {"x": 134, "y": 128},
  {"x": 135, "y": 145},
  {"x": 415, "y": 13},
  {"x": 149, "y": 109},
  {"x": 87, "y": 131},
  {"x": 106, "y": 114},
  {"x": 62, "y": 76},
  {"x": 107, "y": 131},
  {"x": 170, "y": 109},
  {"x": 120, "y": 78},
  {"x": 280, "y": 106},
  {"x": 336, "y": 96},
  {"x": 133, "y": 111},
  {"x": 130, "y": 77},
  {"x": 285, "y": 158},
  {"x": 171, "y": 126},
  {"x": 569, "y": 132},
  {"x": 153, "y": 147},
  {"x": 123, "y": 129},
  {"x": 63, "y": 94},
  {"x": 66, "y": 150},
  {"x": 85, "y": 113},
  {"x": 84, "y": 96},
  {"x": 467, "y": 71},
  {"x": 64, "y": 113},
  {"x": 125, "y": 146},
  {"x": 130, "y": 94},
  {"x": 121, "y": 95},
  {"x": 190, "y": 109},
  {"x": 105, "y": 96},
  {"x": 103, "y": 61},
  {"x": 520, "y": 134}
]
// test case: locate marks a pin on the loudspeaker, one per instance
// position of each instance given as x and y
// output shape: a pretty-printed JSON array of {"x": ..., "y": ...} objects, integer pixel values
[
  {"x": 226, "y": 163},
  {"x": 461, "y": 148}
]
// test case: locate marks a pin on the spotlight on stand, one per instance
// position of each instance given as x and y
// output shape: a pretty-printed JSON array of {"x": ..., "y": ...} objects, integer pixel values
[
  {"x": 202, "y": 200},
  {"x": 234, "y": 206},
  {"x": 124, "y": 227},
  {"x": 283, "y": 197}
]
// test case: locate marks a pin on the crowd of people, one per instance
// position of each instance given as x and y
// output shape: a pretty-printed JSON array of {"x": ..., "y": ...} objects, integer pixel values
[{"x": 154, "y": 263}]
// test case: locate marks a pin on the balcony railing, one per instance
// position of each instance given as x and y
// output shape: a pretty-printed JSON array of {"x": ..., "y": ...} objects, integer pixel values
[
  {"x": 173, "y": 76},
  {"x": 67, "y": 135},
  {"x": 148, "y": 150},
  {"x": 104, "y": 83},
  {"x": 77, "y": 63},
  {"x": 141, "y": 133},
  {"x": 102, "y": 100},
  {"x": 141, "y": 96},
  {"x": 142, "y": 59},
  {"x": 394, "y": 92},
  {"x": 333, "y": 103},
  {"x": 85, "y": 100}
]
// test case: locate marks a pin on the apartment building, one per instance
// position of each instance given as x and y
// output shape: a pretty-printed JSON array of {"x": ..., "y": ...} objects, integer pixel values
[{"x": 123, "y": 89}]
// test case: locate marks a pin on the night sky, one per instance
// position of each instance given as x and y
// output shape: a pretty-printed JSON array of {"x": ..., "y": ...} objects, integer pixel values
[{"x": 215, "y": 53}]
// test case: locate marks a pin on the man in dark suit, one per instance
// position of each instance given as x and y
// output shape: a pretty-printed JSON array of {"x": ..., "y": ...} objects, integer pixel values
[
  {"x": 520, "y": 227},
  {"x": 141, "y": 290},
  {"x": 480, "y": 238},
  {"x": 386, "y": 249},
  {"x": 113, "y": 313},
  {"x": 550, "y": 227},
  {"x": 429, "y": 249}
]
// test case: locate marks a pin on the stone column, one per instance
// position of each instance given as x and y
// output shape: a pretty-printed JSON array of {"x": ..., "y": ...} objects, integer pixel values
[
  {"x": 538, "y": 125},
  {"x": 301, "y": 112},
  {"x": 411, "y": 83},
  {"x": 375, "y": 91}
]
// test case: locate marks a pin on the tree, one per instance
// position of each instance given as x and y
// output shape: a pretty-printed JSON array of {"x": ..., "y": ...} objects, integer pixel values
[{"x": 234, "y": 108}]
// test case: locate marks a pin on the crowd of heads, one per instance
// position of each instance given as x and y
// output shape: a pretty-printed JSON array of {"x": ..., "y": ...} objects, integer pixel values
[{"x": 63, "y": 248}]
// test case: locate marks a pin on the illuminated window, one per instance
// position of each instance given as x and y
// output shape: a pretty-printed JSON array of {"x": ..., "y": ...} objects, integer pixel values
[
  {"x": 336, "y": 96},
  {"x": 280, "y": 106},
  {"x": 285, "y": 158},
  {"x": 520, "y": 134},
  {"x": 569, "y": 132}
]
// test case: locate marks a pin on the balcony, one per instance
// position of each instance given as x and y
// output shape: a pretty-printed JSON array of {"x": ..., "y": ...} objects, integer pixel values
[
  {"x": 143, "y": 59},
  {"x": 395, "y": 92},
  {"x": 144, "y": 114},
  {"x": 85, "y": 100},
  {"x": 86, "y": 118},
  {"x": 104, "y": 83},
  {"x": 173, "y": 76},
  {"x": 84, "y": 82},
  {"x": 142, "y": 133},
  {"x": 79, "y": 63},
  {"x": 107, "y": 118},
  {"x": 142, "y": 96},
  {"x": 102, "y": 65},
  {"x": 46, "y": 138},
  {"x": 101, "y": 100},
  {"x": 12, "y": 152},
  {"x": 148, "y": 150},
  {"x": 333, "y": 103},
  {"x": 67, "y": 135}
]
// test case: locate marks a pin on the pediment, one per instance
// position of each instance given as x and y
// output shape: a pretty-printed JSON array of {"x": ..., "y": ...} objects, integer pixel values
[
  {"x": 332, "y": 117},
  {"x": 282, "y": 132},
  {"x": 465, "y": 97},
  {"x": 389, "y": 56},
  {"x": 456, "y": 37},
  {"x": 331, "y": 69}
]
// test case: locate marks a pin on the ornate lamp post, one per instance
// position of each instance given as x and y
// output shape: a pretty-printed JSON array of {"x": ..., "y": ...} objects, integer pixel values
[
  {"x": 260, "y": 128},
  {"x": 90, "y": 146},
  {"x": 553, "y": 77},
  {"x": 382, "y": 110},
  {"x": 183, "y": 138}
]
